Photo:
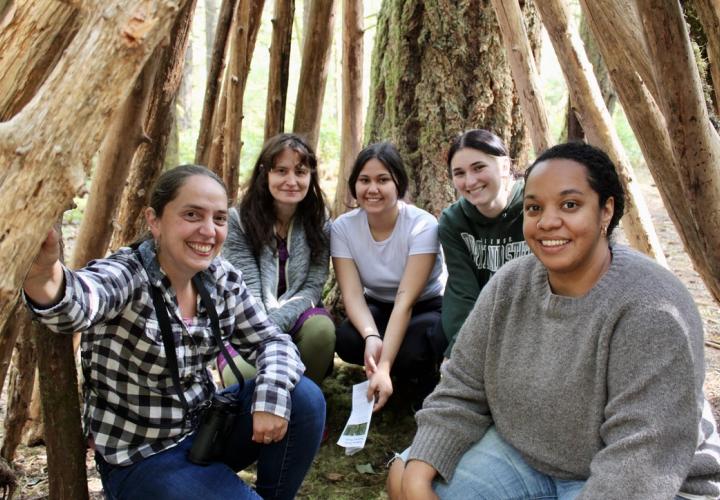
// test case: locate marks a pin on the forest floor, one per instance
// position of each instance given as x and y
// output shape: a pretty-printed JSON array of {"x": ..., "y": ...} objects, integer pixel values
[{"x": 362, "y": 476}]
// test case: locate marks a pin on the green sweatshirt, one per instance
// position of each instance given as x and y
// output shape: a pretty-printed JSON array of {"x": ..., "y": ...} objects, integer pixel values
[{"x": 475, "y": 247}]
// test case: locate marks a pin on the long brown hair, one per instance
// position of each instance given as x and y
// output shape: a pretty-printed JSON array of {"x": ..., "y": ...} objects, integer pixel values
[{"x": 257, "y": 207}]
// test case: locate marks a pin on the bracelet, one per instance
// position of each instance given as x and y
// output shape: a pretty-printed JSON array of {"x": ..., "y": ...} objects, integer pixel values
[{"x": 372, "y": 335}]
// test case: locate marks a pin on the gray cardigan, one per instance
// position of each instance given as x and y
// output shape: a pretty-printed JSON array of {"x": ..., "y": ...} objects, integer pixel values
[
  {"x": 305, "y": 279},
  {"x": 606, "y": 387}
]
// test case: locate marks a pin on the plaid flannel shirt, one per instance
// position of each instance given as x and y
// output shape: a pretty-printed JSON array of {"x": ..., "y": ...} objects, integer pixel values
[{"x": 131, "y": 407}]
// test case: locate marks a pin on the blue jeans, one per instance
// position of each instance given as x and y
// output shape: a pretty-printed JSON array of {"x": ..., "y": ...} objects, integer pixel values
[
  {"x": 493, "y": 470},
  {"x": 281, "y": 466}
]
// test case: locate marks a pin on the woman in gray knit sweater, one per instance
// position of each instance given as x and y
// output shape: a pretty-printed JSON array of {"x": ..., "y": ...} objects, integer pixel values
[
  {"x": 578, "y": 373},
  {"x": 279, "y": 237}
]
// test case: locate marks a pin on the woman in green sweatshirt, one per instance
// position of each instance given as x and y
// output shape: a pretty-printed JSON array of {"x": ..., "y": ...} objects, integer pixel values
[{"x": 483, "y": 229}]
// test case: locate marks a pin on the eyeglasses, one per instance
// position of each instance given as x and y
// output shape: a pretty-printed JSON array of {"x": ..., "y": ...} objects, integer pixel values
[{"x": 301, "y": 171}]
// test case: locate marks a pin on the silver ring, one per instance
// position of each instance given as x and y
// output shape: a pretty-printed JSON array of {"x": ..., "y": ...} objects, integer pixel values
[{"x": 267, "y": 440}]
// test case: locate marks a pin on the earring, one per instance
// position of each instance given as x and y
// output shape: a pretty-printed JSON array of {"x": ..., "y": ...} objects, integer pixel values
[{"x": 603, "y": 230}]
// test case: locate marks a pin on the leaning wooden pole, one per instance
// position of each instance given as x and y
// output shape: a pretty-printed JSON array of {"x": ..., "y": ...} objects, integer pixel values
[
  {"x": 352, "y": 81},
  {"x": 279, "y": 72},
  {"x": 20, "y": 386},
  {"x": 695, "y": 142},
  {"x": 524, "y": 71},
  {"x": 709, "y": 13},
  {"x": 593, "y": 115},
  {"x": 116, "y": 153},
  {"x": 215, "y": 74},
  {"x": 150, "y": 157},
  {"x": 314, "y": 69}
]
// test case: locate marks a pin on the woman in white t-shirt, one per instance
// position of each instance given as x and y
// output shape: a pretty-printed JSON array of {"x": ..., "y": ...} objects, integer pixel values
[{"x": 388, "y": 264}]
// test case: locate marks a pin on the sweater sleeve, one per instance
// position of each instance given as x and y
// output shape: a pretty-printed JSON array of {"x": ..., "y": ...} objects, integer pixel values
[
  {"x": 309, "y": 294},
  {"x": 652, "y": 412},
  {"x": 461, "y": 289},
  {"x": 456, "y": 414},
  {"x": 239, "y": 253}
]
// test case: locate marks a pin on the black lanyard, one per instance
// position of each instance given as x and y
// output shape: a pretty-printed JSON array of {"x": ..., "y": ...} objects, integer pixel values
[{"x": 169, "y": 341}]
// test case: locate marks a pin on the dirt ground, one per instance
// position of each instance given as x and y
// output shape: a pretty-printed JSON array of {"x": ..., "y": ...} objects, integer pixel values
[{"x": 362, "y": 476}]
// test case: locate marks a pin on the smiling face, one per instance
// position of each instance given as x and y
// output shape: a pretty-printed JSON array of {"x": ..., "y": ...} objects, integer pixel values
[
  {"x": 563, "y": 222},
  {"x": 482, "y": 179},
  {"x": 375, "y": 190},
  {"x": 288, "y": 179},
  {"x": 192, "y": 227}
]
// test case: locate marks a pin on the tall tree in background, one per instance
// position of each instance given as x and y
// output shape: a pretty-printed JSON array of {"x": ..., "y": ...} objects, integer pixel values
[
  {"x": 279, "y": 71},
  {"x": 317, "y": 44},
  {"x": 352, "y": 81},
  {"x": 440, "y": 68}
]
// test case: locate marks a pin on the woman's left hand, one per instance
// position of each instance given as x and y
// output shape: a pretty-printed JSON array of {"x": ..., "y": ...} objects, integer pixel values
[
  {"x": 268, "y": 428},
  {"x": 380, "y": 386}
]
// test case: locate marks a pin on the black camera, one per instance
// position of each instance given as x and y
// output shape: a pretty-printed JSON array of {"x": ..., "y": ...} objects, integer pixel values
[{"x": 216, "y": 423}]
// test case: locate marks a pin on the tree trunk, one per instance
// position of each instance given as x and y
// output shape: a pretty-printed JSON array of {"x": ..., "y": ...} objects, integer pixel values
[
  {"x": 116, "y": 153},
  {"x": 440, "y": 68},
  {"x": 317, "y": 45},
  {"x": 46, "y": 148},
  {"x": 34, "y": 432},
  {"x": 279, "y": 72},
  {"x": 215, "y": 73},
  {"x": 708, "y": 12},
  {"x": 573, "y": 128},
  {"x": 605, "y": 19},
  {"x": 149, "y": 159},
  {"x": 32, "y": 44},
  {"x": 247, "y": 24},
  {"x": 8, "y": 338},
  {"x": 524, "y": 71},
  {"x": 61, "y": 415},
  {"x": 211, "y": 21},
  {"x": 352, "y": 81},
  {"x": 597, "y": 124},
  {"x": 695, "y": 143},
  {"x": 20, "y": 386}
]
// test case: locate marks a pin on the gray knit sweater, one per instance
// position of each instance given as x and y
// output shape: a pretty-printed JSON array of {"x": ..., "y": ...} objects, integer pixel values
[
  {"x": 606, "y": 387},
  {"x": 304, "y": 279}
]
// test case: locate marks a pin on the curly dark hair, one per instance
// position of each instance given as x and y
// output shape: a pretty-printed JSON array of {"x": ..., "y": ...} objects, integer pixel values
[
  {"x": 601, "y": 174},
  {"x": 257, "y": 208}
]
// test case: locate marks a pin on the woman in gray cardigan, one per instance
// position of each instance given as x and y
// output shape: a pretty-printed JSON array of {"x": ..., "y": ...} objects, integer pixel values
[{"x": 279, "y": 238}]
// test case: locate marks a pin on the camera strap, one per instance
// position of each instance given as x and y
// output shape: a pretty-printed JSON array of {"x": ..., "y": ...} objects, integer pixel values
[{"x": 215, "y": 325}]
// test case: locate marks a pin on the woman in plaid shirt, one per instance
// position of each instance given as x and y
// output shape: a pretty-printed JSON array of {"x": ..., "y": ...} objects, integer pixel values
[{"x": 133, "y": 415}]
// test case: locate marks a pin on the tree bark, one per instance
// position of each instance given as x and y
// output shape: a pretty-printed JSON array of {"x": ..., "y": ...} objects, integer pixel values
[
  {"x": 524, "y": 71},
  {"x": 573, "y": 129},
  {"x": 695, "y": 143},
  {"x": 149, "y": 159},
  {"x": 317, "y": 45},
  {"x": 46, "y": 148},
  {"x": 32, "y": 44},
  {"x": 126, "y": 133},
  {"x": 247, "y": 24},
  {"x": 439, "y": 70},
  {"x": 216, "y": 71},
  {"x": 20, "y": 386},
  {"x": 352, "y": 82},
  {"x": 279, "y": 72},
  {"x": 61, "y": 415},
  {"x": 597, "y": 124},
  {"x": 8, "y": 338},
  {"x": 34, "y": 432},
  {"x": 647, "y": 122},
  {"x": 708, "y": 12}
]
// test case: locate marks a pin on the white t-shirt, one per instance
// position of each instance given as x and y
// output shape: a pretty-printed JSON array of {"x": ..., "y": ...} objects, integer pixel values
[{"x": 381, "y": 264}]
